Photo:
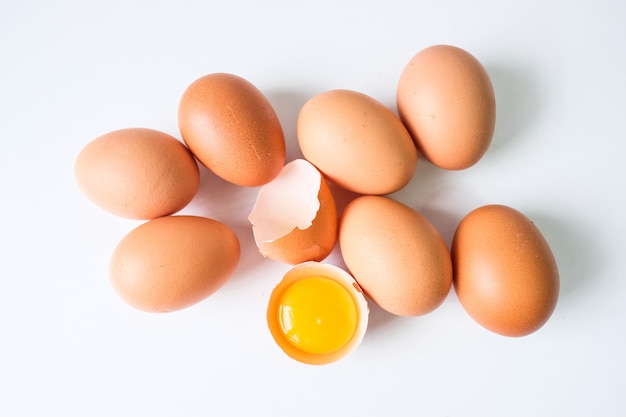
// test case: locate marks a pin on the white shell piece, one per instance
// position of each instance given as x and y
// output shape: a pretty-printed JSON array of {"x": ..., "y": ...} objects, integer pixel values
[{"x": 289, "y": 201}]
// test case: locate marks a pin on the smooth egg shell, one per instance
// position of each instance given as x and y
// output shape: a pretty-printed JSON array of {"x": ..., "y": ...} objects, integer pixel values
[
  {"x": 232, "y": 129},
  {"x": 357, "y": 142},
  {"x": 137, "y": 173},
  {"x": 446, "y": 100},
  {"x": 505, "y": 274},
  {"x": 172, "y": 262},
  {"x": 396, "y": 255}
]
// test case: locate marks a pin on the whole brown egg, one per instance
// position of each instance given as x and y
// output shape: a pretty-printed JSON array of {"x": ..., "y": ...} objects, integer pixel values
[
  {"x": 505, "y": 274},
  {"x": 396, "y": 255},
  {"x": 173, "y": 262},
  {"x": 137, "y": 173},
  {"x": 356, "y": 142},
  {"x": 232, "y": 129},
  {"x": 446, "y": 100}
]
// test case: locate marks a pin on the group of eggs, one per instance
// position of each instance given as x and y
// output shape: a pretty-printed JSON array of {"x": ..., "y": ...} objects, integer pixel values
[{"x": 502, "y": 268}]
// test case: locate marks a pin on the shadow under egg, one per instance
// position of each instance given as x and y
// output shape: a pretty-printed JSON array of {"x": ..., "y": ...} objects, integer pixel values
[
  {"x": 230, "y": 204},
  {"x": 518, "y": 103},
  {"x": 578, "y": 260},
  {"x": 287, "y": 105}
]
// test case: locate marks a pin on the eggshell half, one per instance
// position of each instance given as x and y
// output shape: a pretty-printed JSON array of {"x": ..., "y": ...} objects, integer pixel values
[
  {"x": 172, "y": 262},
  {"x": 294, "y": 218},
  {"x": 396, "y": 255},
  {"x": 232, "y": 129},
  {"x": 338, "y": 275},
  {"x": 446, "y": 100},
  {"x": 505, "y": 274}
]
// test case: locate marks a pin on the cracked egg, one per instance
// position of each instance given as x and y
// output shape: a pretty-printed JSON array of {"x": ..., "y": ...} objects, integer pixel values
[
  {"x": 294, "y": 219},
  {"x": 317, "y": 314}
]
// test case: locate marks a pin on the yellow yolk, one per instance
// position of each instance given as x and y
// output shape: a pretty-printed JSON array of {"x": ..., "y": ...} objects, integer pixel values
[{"x": 317, "y": 315}]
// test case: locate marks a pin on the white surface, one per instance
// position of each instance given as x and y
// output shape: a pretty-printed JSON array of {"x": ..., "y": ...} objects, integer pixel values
[{"x": 72, "y": 70}]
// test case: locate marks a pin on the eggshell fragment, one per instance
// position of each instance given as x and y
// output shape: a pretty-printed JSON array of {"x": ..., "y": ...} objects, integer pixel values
[
  {"x": 356, "y": 142},
  {"x": 324, "y": 323},
  {"x": 172, "y": 262},
  {"x": 396, "y": 255},
  {"x": 137, "y": 173},
  {"x": 505, "y": 274},
  {"x": 294, "y": 218},
  {"x": 446, "y": 100},
  {"x": 232, "y": 129}
]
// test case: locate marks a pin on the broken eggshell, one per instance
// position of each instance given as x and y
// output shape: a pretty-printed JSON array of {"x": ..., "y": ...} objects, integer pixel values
[
  {"x": 321, "y": 321},
  {"x": 294, "y": 219}
]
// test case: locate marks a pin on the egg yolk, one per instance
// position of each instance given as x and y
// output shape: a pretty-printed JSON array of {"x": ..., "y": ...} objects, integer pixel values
[{"x": 317, "y": 315}]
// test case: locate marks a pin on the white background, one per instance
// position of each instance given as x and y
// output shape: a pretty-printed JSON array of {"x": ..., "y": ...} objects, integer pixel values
[{"x": 71, "y": 71}]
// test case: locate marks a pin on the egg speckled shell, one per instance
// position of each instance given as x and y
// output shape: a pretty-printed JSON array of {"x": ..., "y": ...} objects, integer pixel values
[
  {"x": 505, "y": 274},
  {"x": 232, "y": 129}
]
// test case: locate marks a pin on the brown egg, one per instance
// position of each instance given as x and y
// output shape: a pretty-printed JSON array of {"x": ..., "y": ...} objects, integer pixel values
[
  {"x": 396, "y": 255},
  {"x": 295, "y": 218},
  {"x": 505, "y": 275},
  {"x": 137, "y": 173},
  {"x": 357, "y": 142},
  {"x": 446, "y": 100},
  {"x": 232, "y": 129},
  {"x": 172, "y": 262}
]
